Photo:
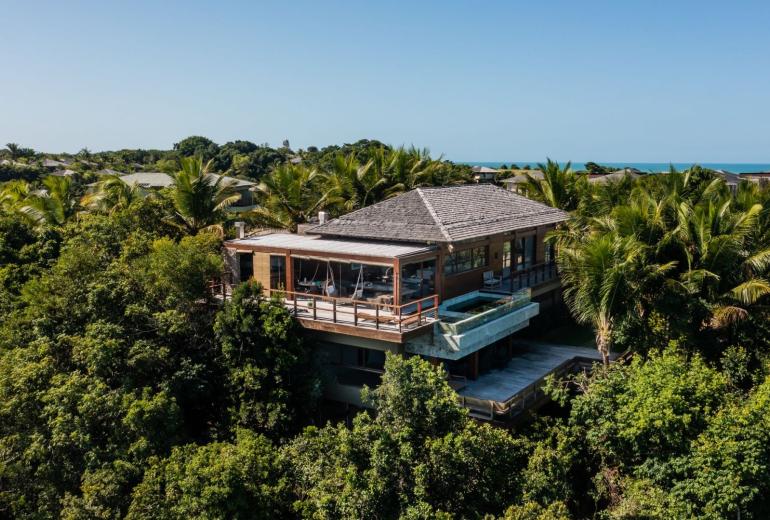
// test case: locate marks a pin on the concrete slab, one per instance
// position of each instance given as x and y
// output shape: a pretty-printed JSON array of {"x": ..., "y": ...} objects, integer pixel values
[{"x": 530, "y": 362}]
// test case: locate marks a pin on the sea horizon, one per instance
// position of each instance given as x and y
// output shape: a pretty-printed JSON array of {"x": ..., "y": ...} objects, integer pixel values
[{"x": 642, "y": 166}]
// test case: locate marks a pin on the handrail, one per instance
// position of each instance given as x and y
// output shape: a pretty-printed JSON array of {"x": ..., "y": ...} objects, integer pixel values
[{"x": 361, "y": 311}]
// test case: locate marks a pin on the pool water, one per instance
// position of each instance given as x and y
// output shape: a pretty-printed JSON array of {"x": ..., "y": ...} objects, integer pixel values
[{"x": 477, "y": 305}]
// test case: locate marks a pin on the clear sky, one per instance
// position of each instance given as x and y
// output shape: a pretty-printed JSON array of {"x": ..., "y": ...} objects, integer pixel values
[{"x": 485, "y": 80}]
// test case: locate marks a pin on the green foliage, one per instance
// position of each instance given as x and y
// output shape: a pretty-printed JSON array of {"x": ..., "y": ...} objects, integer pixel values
[
  {"x": 271, "y": 381},
  {"x": 419, "y": 457},
  {"x": 199, "y": 198},
  {"x": 197, "y": 146},
  {"x": 218, "y": 480}
]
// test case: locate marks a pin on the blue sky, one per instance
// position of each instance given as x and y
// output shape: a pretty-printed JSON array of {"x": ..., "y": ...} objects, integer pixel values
[{"x": 649, "y": 81}]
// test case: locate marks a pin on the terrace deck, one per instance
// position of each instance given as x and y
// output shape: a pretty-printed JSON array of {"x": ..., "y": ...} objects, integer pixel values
[{"x": 515, "y": 387}]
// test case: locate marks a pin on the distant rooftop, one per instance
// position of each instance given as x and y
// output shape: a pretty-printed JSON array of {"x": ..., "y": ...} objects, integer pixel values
[
  {"x": 448, "y": 214},
  {"x": 163, "y": 180},
  {"x": 483, "y": 169}
]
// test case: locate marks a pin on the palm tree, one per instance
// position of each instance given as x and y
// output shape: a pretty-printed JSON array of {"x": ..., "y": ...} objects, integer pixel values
[
  {"x": 54, "y": 204},
  {"x": 559, "y": 188},
  {"x": 290, "y": 195},
  {"x": 14, "y": 150},
  {"x": 603, "y": 275},
  {"x": 111, "y": 194},
  {"x": 200, "y": 198},
  {"x": 12, "y": 196}
]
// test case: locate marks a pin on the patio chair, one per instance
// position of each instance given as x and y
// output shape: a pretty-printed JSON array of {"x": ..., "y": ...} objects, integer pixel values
[{"x": 491, "y": 281}]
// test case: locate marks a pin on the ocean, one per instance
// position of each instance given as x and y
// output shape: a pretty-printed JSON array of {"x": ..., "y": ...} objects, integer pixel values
[{"x": 645, "y": 167}]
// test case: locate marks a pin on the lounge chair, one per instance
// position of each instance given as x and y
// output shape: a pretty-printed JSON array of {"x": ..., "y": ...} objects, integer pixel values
[{"x": 491, "y": 281}]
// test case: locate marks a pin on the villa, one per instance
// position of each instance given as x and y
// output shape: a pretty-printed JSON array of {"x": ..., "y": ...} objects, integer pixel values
[
  {"x": 160, "y": 180},
  {"x": 445, "y": 273}
]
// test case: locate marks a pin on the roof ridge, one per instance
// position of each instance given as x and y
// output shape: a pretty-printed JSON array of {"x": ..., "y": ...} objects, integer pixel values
[{"x": 433, "y": 214}]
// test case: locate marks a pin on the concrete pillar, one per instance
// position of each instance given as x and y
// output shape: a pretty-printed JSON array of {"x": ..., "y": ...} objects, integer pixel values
[{"x": 473, "y": 365}]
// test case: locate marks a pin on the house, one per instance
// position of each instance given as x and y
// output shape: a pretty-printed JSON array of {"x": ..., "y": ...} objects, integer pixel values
[
  {"x": 518, "y": 182},
  {"x": 761, "y": 178},
  {"x": 52, "y": 164},
  {"x": 615, "y": 176},
  {"x": 445, "y": 273},
  {"x": 484, "y": 174},
  {"x": 160, "y": 180}
]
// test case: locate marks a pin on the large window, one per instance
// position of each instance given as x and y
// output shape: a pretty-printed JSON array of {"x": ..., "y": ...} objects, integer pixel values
[
  {"x": 525, "y": 253},
  {"x": 506, "y": 254},
  {"x": 246, "y": 265},
  {"x": 277, "y": 272},
  {"x": 465, "y": 260},
  {"x": 418, "y": 280}
]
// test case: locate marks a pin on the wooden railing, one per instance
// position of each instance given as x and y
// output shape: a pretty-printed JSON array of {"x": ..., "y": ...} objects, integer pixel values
[{"x": 360, "y": 313}]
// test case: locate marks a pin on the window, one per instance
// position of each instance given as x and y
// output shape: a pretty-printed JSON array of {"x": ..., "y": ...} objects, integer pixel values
[
  {"x": 277, "y": 272},
  {"x": 418, "y": 280},
  {"x": 525, "y": 253},
  {"x": 507, "y": 254},
  {"x": 246, "y": 265},
  {"x": 465, "y": 260},
  {"x": 549, "y": 254}
]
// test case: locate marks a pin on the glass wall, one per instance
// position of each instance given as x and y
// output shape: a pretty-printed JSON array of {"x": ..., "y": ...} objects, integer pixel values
[
  {"x": 278, "y": 272},
  {"x": 418, "y": 280},
  {"x": 356, "y": 281},
  {"x": 465, "y": 260},
  {"x": 525, "y": 253}
]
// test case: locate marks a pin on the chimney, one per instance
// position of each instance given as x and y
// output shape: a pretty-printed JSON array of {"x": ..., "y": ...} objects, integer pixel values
[
  {"x": 240, "y": 229},
  {"x": 322, "y": 217}
]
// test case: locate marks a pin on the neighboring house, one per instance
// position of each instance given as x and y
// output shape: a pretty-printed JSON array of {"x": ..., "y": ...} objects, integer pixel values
[
  {"x": 445, "y": 273},
  {"x": 52, "y": 164},
  {"x": 518, "y": 182},
  {"x": 615, "y": 176},
  {"x": 484, "y": 174},
  {"x": 160, "y": 180},
  {"x": 757, "y": 177}
]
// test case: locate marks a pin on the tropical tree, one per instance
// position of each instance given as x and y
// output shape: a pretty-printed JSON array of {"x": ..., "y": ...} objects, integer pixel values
[
  {"x": 290, "y": 195},
  {"x": 54, "y": 204},
  {"x": 112, "y": 193},
  {"x": 603, "y": 275},
  {"x": 13, "y": 150},
  {"x": 559, "y": 188},
  {"x": 200, "y": 198}
]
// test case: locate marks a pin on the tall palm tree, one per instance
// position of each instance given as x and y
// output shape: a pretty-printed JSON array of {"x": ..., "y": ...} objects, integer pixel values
[
  {"x": 288, "y": 196},
  {"x": 54, "y": 204},
  {"x": 200, "y": 198},
  {"x": 560, "y": 187},
  {"x": 603, "y": 275},
  {"x": 13, "y": 195},
  {"x": 14, "y": 150},
  {"x": 111, "y": 194}
]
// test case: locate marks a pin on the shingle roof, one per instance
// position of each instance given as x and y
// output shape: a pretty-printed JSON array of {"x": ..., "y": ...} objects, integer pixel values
[{"x": 449, "y": 214}]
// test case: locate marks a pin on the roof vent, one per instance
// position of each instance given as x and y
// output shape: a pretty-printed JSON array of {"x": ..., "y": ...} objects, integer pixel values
[
  {"x": 322, "y": 217},
  {"x": 240, "y": 229}
]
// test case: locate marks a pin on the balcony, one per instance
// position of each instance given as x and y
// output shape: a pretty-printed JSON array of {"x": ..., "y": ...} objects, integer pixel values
[
  {"x": 361, "y": 318},
  {"x": 473, "y": 321},
  {"x": 534, "y": 276}
]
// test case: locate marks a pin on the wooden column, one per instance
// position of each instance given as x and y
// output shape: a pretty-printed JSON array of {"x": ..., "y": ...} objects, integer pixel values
[
  {"x": 289, "y": 272},
  {"x": 473, "y": 365},
  {"x": 396, "y": 282}
]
